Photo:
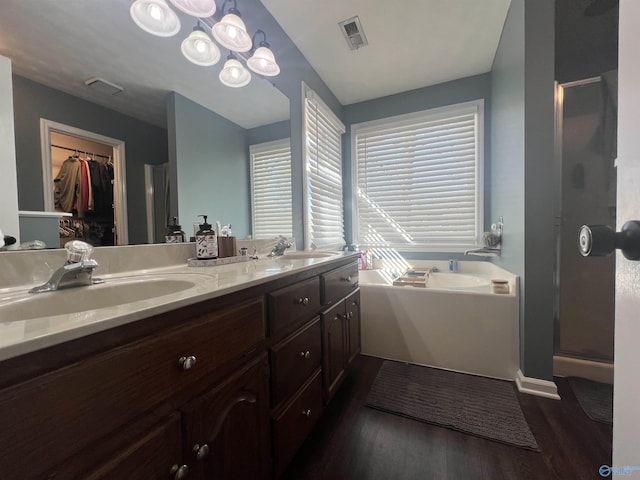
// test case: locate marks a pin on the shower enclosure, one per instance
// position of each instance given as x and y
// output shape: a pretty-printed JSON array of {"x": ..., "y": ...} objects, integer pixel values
[{"x": 586, "y": 194}]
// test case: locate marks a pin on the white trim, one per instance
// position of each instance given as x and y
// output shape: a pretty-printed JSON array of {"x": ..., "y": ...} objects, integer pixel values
[
  {"x": 577, "y": 367},
  {"x": 119, "y": 182},
  {"x": 306, "y": 241},
  {"x": 148, "y": 201},
  {"x": 535, "y": 386},
  {"x": 38, "y": 214},
  {"x": 309, "y": 93}
]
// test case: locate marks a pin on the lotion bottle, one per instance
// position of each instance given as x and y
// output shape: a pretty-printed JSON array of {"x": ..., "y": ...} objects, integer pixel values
[
  {"x": 206, "y": 241},
  {"x": 174, "y": 233}
]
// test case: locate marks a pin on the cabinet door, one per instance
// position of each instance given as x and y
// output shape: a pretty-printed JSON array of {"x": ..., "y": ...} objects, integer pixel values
[
  {"x": 352, "y": 319},
  {"x": 333, "y": 346},
  {"x": 154, "y": 456},
  {"x": 227, "y": 430}
]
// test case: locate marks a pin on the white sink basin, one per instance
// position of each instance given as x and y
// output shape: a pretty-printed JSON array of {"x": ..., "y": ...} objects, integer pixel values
[{"x": 115, "y": 291}]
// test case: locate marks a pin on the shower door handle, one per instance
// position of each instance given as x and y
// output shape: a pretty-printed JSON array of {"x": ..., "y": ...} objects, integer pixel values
[{"x": 601, "y": 240}]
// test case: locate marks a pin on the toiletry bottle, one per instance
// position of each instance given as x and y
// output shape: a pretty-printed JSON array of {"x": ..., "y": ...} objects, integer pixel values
[
  {"x": 206, "y": 241},
  {"x": 174, "y": 233}
]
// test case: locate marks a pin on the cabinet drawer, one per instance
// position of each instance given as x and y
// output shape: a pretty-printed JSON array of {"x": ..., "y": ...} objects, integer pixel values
[
  {"x": 293, "y": 425},
  {"x": 66, "y": 409},
  {"x": 338, "y": 283},
  {"x": 294, "y": 359},
  {"x": 291, "y": 304}
]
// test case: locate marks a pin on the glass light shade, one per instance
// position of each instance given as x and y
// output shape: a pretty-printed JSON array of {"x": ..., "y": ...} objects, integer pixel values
[
  {"x": 263, "y": 62},
  {"x": 231, "y": 33},
  {"x": 234, "y": 74},
  {"x": 196, "y": 8},
  {"x": 155, "y": 17},
  {"x": 198, "y": 48}
]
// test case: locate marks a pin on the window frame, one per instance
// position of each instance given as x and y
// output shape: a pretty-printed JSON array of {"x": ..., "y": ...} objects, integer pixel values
[
  {"x": 308, "y": 93},
  {"x": 432, "y": 114},
  {"x": 262, "y": 147}
]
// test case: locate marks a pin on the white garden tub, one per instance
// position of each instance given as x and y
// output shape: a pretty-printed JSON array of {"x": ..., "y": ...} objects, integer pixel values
[{"x": 456, "y": 322}]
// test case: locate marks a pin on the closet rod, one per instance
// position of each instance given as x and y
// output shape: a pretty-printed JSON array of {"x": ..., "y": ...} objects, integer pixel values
[{"x": 108, "y": 157}]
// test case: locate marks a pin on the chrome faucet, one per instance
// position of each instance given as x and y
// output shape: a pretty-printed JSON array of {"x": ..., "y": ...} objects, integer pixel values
[
  {"x": 280, "y": 247},
  {"x": 77, "y": 270}
]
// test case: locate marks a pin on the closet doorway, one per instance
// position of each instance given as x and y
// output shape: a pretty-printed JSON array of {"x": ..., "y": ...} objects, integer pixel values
[{"x": 105, "y": 222}]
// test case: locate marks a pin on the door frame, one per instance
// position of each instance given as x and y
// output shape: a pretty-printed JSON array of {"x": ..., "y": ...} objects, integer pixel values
[{"x": 119, "y": 182}]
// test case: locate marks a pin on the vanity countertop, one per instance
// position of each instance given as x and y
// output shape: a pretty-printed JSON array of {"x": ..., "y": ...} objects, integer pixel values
[{"x": 19, "y": 337}]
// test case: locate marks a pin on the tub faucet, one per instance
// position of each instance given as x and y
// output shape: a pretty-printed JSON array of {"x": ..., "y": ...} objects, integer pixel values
[
  {"x": 280, "y": 247},
  {"x": 77, "y": 270}
]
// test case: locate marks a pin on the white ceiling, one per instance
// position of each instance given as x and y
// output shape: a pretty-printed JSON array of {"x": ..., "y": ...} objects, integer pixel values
[
  {"x": 61, "y": 43},
  {"x": 412, "y": 44}
]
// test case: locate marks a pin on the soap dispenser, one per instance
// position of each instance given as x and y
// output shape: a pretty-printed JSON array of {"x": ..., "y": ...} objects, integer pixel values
[
  {"x": 174, "y": 233},
  {"x": 206, "y": 241}
]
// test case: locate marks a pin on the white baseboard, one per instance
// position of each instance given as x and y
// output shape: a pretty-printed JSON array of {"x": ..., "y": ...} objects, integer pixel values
[
  {"x": 535, "y": 386},
  {"x": 575, "y": 367}
]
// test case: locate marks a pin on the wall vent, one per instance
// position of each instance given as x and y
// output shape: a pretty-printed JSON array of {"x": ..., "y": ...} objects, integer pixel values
[
  {"x": 352, "y": 30},
  {"x": 103, "y": 86}
]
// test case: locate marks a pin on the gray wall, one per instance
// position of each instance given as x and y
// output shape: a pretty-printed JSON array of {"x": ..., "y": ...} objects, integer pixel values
[
  {"x": 144, "y": 143},
  {"x": 522, "y": 174},
  {"x": 456, "y": 91},
  {"x": 269, "y": 133},
  {"x": 208, "y": 155}
]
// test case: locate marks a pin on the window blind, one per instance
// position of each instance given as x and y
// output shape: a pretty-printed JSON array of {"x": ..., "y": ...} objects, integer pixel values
[
  {"x": 419, "y": 179},
  {"x": 271, "y": 189},
  {"x": 324, "y": 218}
]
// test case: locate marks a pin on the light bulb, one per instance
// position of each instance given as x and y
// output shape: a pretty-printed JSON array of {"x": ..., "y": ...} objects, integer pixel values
[
  {"x": 235, "y": 73},
  {"x": 232, "y": 32},
  {"x": 200, "y": 46},
  {"x": 155, "y": 12}
]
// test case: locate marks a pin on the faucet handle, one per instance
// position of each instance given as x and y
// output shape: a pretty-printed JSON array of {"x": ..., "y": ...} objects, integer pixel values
[{"x": 78, "y": 251}]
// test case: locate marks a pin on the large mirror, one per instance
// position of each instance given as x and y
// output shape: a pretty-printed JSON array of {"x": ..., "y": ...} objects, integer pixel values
[{"x": 170, "y": 113}]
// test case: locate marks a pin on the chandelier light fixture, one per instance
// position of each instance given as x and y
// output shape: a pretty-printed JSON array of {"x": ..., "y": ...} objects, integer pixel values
[
  {"x": 157, "y": 18},
  {"x": 233, "y": 74},
  {"x": 262, "y": 61},
  {"x": 196, "y": 8},
  {"x": 198, "y": 48}
]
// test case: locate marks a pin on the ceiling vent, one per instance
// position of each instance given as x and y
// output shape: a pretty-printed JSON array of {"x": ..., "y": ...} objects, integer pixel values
[
  {"x": 353, "y": 32},
  {"x": 103, "y": 86}
]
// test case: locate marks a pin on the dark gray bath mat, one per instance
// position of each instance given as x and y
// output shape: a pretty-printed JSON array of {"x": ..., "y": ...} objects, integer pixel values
[
  {"x": 595, "y": 398},
  {"x": 480, "y": 406}
]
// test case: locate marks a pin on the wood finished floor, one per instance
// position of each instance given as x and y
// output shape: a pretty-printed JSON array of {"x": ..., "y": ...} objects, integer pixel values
[{"x": 354, "y": 442}]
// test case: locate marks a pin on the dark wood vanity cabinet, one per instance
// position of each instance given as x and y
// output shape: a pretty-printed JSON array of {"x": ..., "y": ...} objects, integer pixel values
[
  {"x": 341, "y": 340},
  {"x": 226, "y": 430},
  {"x": 228, "y": 388}
]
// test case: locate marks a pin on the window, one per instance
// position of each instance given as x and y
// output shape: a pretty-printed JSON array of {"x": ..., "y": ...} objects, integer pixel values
[
  {"x": 324, "y": 218},
  {"x": 271, "y": 189},
  {"x": 418, "y": 179}
]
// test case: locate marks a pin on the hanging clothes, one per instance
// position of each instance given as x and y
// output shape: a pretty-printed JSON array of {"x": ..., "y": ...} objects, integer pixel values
[
  {"x": 67, "y": 185},
  {"x": 102, "y": 188},
  {"x": 82, "y": 201}
]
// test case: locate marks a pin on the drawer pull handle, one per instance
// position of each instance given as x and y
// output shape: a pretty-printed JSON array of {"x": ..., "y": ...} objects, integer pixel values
[
  {"x": 306, "y": 413},
  {"x": 201, "y": 451},
  {"x": 305, "y": 355},
  {"x": 349, "y": 315},
  {"x": 187, "y": 363},
  {"x": 179, "y": 472},
  {"x": 303, "y": 301},
  {"x": 347, "y": 279}
]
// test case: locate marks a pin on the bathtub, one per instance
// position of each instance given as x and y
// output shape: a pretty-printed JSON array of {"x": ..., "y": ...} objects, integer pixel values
[{"x": 456, "y": 322}]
